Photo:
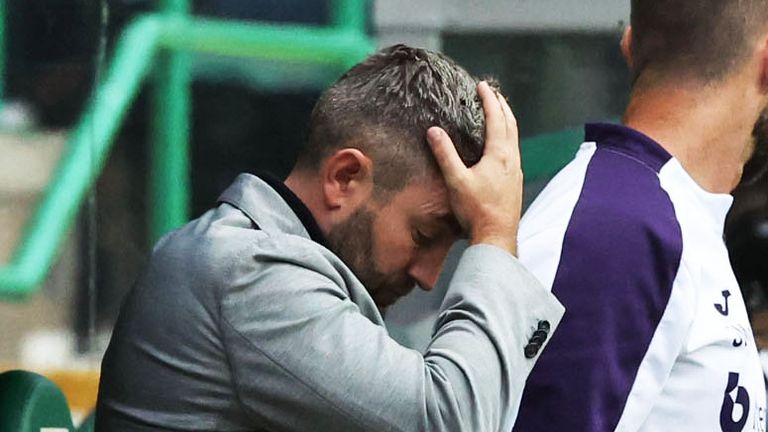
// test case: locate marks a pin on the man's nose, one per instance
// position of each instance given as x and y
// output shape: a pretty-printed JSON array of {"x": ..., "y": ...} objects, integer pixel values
[
  {"x": 426, "y": 268},
  {"x": 425, "y": 277}
]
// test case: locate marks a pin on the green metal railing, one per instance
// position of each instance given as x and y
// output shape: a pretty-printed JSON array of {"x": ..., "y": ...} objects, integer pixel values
[
  {"x": 164, "y": 41},
  {"x": 159, "y": 45}
]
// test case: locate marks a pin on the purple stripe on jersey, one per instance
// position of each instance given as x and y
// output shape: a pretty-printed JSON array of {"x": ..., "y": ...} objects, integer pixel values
[{"x": 620, "y": 256}]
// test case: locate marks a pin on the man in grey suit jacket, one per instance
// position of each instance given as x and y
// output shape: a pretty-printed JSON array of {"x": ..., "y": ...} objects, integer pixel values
[{"x": 266, "y": 312}]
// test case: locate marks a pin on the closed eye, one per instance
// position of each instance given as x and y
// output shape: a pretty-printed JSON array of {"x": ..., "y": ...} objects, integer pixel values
[{"x": 420, "y": 239}]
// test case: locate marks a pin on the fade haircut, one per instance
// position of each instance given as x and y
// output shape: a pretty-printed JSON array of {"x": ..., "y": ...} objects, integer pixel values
[
  {"x": 702, "y": 40},
  {"x": 384, "y": 105}
]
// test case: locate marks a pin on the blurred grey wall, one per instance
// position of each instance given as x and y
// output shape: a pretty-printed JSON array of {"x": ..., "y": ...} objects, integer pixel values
[{"x": 421, "y": 22}]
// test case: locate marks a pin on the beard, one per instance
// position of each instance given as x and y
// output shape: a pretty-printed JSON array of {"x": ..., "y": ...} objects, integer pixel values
[
  {"x": 757, "y": 166},
  {"x": 353, "y": 242}
]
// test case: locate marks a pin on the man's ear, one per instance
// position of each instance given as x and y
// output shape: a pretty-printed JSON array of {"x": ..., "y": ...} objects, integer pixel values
[
  {"x": 626, "y": 47},
  {"x": 347, "y": 177}
]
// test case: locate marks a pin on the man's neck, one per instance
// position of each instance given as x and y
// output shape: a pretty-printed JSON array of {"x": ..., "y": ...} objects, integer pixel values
[
  {"x": 708, "y": 129},
  {"x": 307, "y": 188}
]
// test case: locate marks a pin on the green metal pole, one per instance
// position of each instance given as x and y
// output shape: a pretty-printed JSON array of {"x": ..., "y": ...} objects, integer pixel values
[
  {"x": 70, "y": 183},
  {"x": 170, "y": 171},
  {"x": 275, "y": 42},
  {"x": 169, "y": 137},
  {"x": 349, "y": 15}
]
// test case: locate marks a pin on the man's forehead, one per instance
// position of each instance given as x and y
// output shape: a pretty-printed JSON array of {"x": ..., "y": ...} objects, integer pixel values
[
  {"x": 429, "y": 193},
  {"x": 430, "y": 202}
]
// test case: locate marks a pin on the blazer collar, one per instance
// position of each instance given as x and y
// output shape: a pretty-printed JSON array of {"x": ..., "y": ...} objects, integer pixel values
[{"x": 270, "y": 204}]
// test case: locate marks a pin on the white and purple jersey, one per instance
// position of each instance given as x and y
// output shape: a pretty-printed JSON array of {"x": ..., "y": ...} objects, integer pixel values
[{"x": 656, "y": 335}]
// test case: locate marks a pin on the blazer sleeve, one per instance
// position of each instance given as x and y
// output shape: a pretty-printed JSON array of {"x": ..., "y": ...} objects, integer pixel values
[{"x": 304, "y": 358}]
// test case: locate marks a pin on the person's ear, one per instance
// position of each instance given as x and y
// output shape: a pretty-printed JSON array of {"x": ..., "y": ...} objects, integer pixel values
[
  {"x": 626, "y": 47},
  {"x": 347, "y": 181}
]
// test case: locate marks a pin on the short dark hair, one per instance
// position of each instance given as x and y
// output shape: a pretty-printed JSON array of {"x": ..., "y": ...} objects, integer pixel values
[
  {"x": 702, "y": 40},
  {"x": 384, "y": 106}
]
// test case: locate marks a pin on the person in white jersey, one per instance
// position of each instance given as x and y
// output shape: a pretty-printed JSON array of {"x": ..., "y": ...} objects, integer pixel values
[{"x": 629, "y": 236}]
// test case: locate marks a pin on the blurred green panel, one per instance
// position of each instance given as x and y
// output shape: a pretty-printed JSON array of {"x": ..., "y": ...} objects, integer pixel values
[{"x": 544, "y": 155}]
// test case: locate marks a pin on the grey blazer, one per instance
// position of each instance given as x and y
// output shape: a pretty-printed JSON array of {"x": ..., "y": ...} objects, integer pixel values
[{"x": 233, "y": 328}]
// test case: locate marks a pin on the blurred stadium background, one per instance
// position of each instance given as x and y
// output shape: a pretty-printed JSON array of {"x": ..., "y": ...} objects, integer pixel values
[{"x": 91, "y": 174}]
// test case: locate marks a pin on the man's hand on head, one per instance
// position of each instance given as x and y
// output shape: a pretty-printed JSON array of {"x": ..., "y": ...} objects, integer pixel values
[{"x": 486, "y": 198}]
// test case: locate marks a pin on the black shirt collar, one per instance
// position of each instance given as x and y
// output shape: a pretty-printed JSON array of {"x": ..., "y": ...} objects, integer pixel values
[{"x": 298, "y": 207}]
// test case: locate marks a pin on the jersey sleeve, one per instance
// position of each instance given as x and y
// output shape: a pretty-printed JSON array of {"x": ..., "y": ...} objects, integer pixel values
[{"x": 304, "y": 358}]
